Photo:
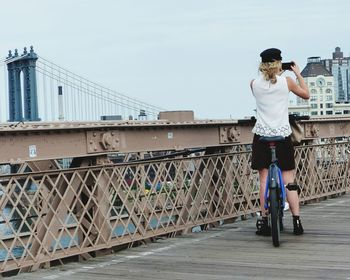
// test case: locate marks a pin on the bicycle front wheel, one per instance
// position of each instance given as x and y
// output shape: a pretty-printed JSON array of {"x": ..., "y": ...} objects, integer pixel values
[{"x": 275, "y": 217}]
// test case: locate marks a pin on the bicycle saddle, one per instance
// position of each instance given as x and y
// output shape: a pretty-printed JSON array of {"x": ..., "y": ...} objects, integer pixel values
[{"x": 271, "y": 138}]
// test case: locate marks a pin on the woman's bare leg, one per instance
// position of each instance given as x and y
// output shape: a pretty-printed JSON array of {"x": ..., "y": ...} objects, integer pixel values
[
  {"x": 292, "y": 196},
  {"x": 262, "y": 176}
]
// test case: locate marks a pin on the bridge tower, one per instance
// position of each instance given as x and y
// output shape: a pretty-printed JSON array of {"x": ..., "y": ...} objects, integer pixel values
[{"x": 24, "y": 64}]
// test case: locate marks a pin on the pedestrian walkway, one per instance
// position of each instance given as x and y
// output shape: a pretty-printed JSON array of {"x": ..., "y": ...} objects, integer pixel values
[{"x": 232, "y": 251}]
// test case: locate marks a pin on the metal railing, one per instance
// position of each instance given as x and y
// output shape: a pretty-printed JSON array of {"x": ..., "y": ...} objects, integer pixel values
[{"x": 52, "y": 215}]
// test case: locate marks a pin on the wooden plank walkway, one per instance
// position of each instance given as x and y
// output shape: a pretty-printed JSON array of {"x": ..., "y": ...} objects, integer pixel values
[{"x": 232, "y": 252}]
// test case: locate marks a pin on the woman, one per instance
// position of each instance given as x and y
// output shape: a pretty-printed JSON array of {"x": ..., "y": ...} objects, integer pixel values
[{"x": 271, "y": 92}]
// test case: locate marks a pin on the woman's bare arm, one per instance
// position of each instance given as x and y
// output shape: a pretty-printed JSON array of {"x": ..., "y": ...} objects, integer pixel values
[{"x": 300, "y": 89}]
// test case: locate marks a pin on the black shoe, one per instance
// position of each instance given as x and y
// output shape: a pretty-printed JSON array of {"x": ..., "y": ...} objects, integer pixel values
[
  {"x": 263, "y": 227},
  {"x": 298, "y": 227}
]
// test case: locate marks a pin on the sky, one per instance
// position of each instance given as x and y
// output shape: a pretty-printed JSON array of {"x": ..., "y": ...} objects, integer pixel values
[{"x": 195, "y": 55}]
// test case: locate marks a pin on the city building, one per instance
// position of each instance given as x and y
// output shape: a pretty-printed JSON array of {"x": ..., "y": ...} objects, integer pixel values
[
  {"x": 339, "y": 66},
  {"x": 323, "y": 87}
]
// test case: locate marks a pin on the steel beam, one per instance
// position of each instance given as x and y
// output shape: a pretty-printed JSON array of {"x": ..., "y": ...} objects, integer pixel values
[{"x": 42, "y": 141}]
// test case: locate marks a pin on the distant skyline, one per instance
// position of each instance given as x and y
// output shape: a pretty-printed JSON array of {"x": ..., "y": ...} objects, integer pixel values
[{"x": 180, "y": 55}]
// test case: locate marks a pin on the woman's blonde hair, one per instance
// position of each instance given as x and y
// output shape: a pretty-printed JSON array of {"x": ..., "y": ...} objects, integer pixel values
[{"x": 270, "y": 70}]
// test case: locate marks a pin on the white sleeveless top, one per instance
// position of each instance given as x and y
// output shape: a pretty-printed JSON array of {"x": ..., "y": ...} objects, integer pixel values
[{"x": 272, "y": 107}]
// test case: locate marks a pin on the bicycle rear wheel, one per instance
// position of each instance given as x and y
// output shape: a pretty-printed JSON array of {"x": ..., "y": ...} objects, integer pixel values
[{"x": 275, "y": 217}]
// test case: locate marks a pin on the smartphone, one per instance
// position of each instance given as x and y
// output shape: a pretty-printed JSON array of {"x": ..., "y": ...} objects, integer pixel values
[{"x": 287, "y": 65}]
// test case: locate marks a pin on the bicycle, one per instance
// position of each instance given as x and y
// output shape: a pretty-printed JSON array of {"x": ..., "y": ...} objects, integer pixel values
[{"x": 275, "y": 194}]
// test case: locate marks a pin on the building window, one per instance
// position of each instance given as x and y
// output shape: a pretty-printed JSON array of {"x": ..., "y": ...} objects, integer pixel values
[
  {"x": 313, "y": 98},
  {"x": 314, "y": 106},
  {"x": 313, "y": 91},
  {"x": 329, "y": 98},
  {"x": 329, "y": 83},
  {"x": 328, "y": 90},
  {"x": 321, "y": 106},
  {"x": 312, "y": 84},
  {"x": 329, "y": 105},
  {"x": 346, "y": 112},
  {"x": 329, "y": 112},
  {"x": 313, "y": 113}
]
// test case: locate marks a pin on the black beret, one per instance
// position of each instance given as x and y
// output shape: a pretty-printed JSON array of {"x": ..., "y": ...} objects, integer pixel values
[{"x": 271, "y": 55}]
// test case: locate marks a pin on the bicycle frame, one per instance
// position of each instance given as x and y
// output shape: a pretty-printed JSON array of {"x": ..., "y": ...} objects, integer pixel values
[
  {"x": 275, "y": 193},
  {"x": 275, "y": 177},
  {"x": 274, "y": 196}
]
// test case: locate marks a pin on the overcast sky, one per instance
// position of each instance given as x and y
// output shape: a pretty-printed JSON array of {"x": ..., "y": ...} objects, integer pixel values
[{"x": 179, "y": 55}]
